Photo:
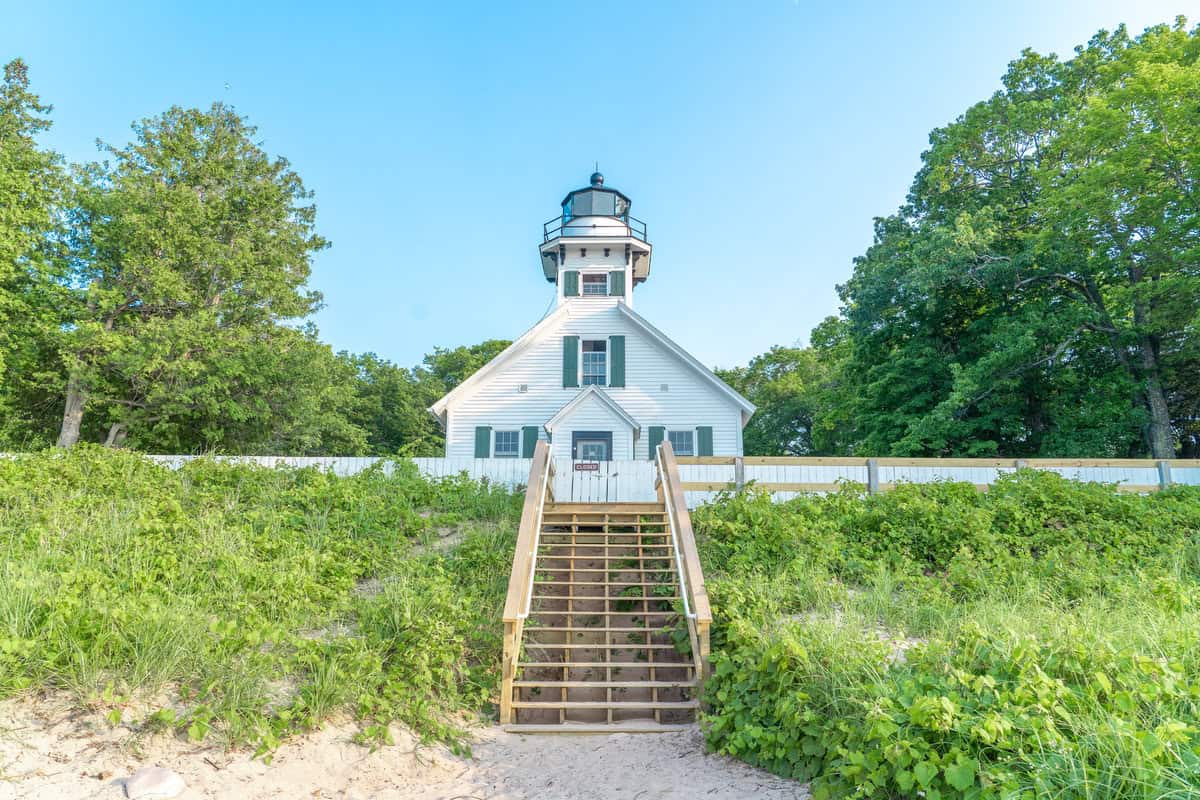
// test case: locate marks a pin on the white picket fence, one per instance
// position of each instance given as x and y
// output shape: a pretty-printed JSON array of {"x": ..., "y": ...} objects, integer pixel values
[
  {"x": 603, "y": 482},
  {"x": 703, "y": 478}
]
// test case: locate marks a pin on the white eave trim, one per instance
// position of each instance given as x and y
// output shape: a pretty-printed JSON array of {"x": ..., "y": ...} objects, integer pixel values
[
  {"x": 577, "y": 400},
  {"x": 440, "y": 408},
  {"x": 746, "y": 406}
]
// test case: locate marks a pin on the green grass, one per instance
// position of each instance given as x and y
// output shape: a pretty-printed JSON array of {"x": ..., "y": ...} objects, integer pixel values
[
  {"x": 253, "y": 603},
  {"x": 1037, "y": 641}
]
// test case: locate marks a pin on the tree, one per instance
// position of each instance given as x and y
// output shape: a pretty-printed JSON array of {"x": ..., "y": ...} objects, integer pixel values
[
  {"x": 784, "y": 383},
  {"x": 391, "y": 407},
  {"x": 392, "y": 402},
  {"x": 31, "y": 301},
  {"x": 451, "y": 367},
  {"x": 190, "y": 246},
  {"x": 1037, "y": 293}
]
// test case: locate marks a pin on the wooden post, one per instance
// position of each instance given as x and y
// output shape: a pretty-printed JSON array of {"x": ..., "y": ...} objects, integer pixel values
[
  {"x": 1164, "y": 474},
  {"x": 524, "y": 558},
  {"x": 508, "y": 669},
  {"x": 872, "y": 476},
  {"x": 739, "y": 472}
]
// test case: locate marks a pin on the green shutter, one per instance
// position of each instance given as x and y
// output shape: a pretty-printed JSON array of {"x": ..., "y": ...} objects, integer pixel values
[
  {"x": 616, "y": 284},
  {"x": 570, "y": 361},
  {"x": 529, "y": 437},
  {"x": 704, "y": 440},
  {"x": 483, "y": 441},
  {"x": 657, "y": 433},
  {"x": 571, "y": 284},
  {"x": 616, "y": 346}
]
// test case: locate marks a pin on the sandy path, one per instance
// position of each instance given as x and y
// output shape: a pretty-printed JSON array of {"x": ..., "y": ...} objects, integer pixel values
[{"x": 50, "y": 753}]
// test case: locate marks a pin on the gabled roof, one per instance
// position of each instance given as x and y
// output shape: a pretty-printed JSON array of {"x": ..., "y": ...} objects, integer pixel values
[
  {"x": 687, "y": 358},
  {"x": 578, "y": 400},
  {"x": 438, "y": 409}
]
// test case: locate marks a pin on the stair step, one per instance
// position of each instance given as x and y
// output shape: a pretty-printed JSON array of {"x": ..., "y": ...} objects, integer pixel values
[
  {"x": 599, "y": 646},
  {"x": 606, "y": 664},
  {"x": 666, "y": 546},
  {"x": 689, "y": 684},
  {"x": 592, "y": 728},
  {"x": 615, "y": 704},
  {"x": 611, "y": 584},
  {"x": 637, "y": 612},
  {"x": 590, "y": 510},
  {"x": 600, "y": 597},
  {"x": 575, "y": 628},
  {"x": 608, "y": 544},
  {"x": 611, "y": 569},
  {"x": 605, "y": 537}
]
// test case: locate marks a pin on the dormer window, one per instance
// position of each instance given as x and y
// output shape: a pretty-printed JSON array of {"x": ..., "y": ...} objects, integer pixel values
[{"x": 595, "y": 285}]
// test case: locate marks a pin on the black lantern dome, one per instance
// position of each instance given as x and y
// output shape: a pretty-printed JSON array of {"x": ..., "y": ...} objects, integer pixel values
[
  {"x": 596, "y": 201},
  {"x": 595, "y": 216}
]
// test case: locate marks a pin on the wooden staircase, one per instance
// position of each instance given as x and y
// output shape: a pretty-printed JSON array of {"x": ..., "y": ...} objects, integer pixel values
[{"x": 601, "y": 627}]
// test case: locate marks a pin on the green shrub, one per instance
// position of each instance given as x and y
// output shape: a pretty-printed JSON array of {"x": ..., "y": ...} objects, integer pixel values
[
  {"x": 1035, "y": 641},
  {"x": 262, "y": 599}
]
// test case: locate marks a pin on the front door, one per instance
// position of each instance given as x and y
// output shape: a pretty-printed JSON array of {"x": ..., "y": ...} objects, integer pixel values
[{"x": 591, "y": 445}]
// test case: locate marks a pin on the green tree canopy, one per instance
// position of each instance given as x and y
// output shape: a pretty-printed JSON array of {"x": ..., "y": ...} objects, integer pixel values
[
  {"x": 192, "y": 250},
  {"x": 1038, "y": 292},
  {"x": 32, "y": 302}
]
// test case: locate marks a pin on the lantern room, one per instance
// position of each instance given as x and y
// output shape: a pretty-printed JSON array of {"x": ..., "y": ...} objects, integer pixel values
[{"x": 595, "y": 216}]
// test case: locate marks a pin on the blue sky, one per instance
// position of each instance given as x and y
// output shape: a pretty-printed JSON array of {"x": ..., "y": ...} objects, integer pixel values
[{"x": 757, "y": 139}]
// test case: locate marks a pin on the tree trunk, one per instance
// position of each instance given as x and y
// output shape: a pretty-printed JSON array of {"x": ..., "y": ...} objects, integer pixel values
[
  {"x": 1159, "y": 436},
  {"x": 68, "y": 434},
  {"x": 116, "y": 435}
]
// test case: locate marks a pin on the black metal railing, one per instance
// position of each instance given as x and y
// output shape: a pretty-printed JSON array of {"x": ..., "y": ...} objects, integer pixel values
[{"x": 595, "y": 226}]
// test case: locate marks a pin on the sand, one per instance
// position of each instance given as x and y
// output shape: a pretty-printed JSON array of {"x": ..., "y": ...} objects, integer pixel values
[{"x": 50, "y": 750}]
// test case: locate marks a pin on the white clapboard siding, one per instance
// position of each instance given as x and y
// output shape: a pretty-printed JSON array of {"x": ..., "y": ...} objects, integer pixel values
[
  {"x": 593, "y": 415},
  {"x": 687, "y": 402}
]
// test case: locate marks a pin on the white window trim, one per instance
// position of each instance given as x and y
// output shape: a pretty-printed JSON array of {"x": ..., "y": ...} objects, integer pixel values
[
  {"x": 583, "y": 275},
  {"x": 607, "y": 362},
  {"x": 496, "y": 454},
  {"x": 690, "y": 431}
]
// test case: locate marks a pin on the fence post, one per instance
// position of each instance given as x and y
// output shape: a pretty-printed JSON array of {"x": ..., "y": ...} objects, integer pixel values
[
  {"x": 739, "y": 473},
  {"x": 872, "y": 476},
  {"x": 1164, "y": 474},
  {"x": 1021, "y": 463}
]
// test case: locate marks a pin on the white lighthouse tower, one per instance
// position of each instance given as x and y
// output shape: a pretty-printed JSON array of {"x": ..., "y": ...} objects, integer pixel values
[
  {"x": 596, "y": 248},
  {"x": 593, "y": 377}
]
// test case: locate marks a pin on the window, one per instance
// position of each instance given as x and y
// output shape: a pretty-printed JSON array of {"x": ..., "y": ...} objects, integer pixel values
[
  {"x": 508, "y": 444},
  {"x": 595, "y": 362},
  {"x": 591, "y": 445},
  {"x": 593, "y": 451},
  {"x": 682, "y": 442},
  {"x": 595, "y": 284}
]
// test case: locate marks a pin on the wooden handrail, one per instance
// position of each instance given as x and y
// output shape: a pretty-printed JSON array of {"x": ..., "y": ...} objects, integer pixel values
[
  {"x": 672, "y": 488},
  {"x": 520, "y": 579},
  {"x": 523, "y": 555}
]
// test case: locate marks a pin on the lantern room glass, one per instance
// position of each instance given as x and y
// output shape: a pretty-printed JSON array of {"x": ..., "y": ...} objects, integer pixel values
[{"x": 595, "y": 202}]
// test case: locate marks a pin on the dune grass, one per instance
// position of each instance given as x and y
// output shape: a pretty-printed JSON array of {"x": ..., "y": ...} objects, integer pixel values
[
  {"x": 1039, "y": 641},
  {"x": 248, "y": 603}
]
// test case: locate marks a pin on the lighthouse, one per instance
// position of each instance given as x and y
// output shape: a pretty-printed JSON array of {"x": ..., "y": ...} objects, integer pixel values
[
  {"x": 595, "y": 247},
  {"x": 593, "y": 378}
]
